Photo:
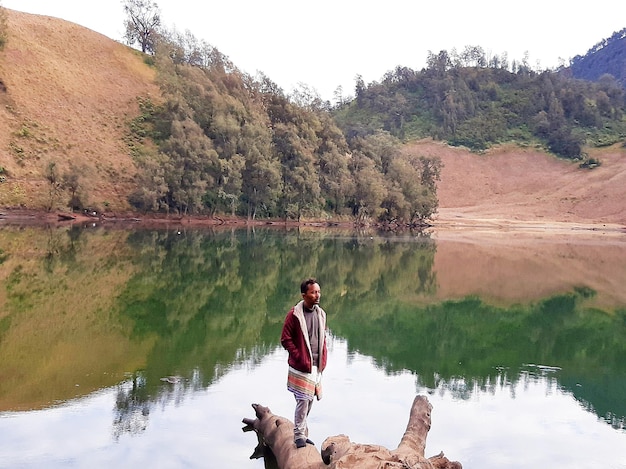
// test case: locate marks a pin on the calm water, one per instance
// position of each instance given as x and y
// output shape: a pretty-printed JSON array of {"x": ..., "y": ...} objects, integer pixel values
[{"x": 518, "y": 340}]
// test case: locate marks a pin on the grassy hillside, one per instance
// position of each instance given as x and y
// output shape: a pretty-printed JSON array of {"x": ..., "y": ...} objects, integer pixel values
[
  {"x": 68, "y": 94},
  {"x": 59, "y": 304}
]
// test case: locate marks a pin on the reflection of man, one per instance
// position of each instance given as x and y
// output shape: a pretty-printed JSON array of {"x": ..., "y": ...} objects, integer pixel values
[{"x": 304, "y": 337}]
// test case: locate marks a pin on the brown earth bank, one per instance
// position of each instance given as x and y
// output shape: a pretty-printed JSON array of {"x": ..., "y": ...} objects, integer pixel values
[
  {"x": 69, "y": 92},
  {"x": 520, "y": 188},
  {"x": 440, "y": 227}
]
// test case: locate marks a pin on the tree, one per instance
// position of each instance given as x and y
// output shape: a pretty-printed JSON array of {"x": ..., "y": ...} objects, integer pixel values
[
  {"x": 381, "y": 147},
  {"x": 306, "y": 97},
  {"x": 332, "y": 154},
  {"x": 412, "y": 197},
  {"x": 152, "y": 189},
  {"x": 194, "y": 165},
  {"x": 261, "y": 174},
  {"x": 473, "y": 56},
  {"x": 339, "y": 97},
  {"x": 439, "y": 63},
  {"x": 142, "y": 24},
  {"x": 369, "y": 188},
  {"x": 51, "y": 173},
  {"x": 359, "y": 89},
  {"x": 300, "y": 185},
  {"x": 71, "y": 182},
  {"x": 395, "y": 204}
]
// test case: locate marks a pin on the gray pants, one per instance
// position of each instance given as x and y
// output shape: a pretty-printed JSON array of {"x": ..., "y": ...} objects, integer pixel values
[{"x": 303, "y": 407}]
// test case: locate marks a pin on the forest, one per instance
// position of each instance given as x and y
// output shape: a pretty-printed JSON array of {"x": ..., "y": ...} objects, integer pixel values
[
  {"x": 222, "y": 141},
  {"x": 470, "y": 99}
]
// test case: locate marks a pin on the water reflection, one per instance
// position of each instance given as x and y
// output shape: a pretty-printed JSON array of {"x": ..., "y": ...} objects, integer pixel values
[
  {"x": 494, "y": 427},
  {"x": 119, "y": 311}
]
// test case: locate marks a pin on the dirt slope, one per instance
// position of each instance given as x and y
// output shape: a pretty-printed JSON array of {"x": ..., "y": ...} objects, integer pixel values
[
  {"x": 69, "y": 92},
  {"x": 525, "y": 185}
]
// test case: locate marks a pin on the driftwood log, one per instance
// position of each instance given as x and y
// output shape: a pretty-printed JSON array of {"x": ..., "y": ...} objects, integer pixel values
[{"x": 275, "y": 438}]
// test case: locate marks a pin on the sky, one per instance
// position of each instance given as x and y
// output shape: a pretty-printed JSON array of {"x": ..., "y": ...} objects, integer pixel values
[{"x": 327, "y": 43}]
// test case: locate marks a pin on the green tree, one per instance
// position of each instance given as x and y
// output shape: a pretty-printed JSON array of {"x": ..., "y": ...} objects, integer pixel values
[
  {"x": 369, "y": 189},
  {"x": 412, "y": 189},
  {"x": 300, "y": 179},
  {"x": 439, "y": 63},
  {"x": 151, "y": 184},
  {"x": 396, "y": 208},
  {"x": 307, "y": 97},
  {"x": 424, "y": 202},
  {"x": 261, "y": 177},
  {"x": 359, "y": 89},
  {"x": 194, "y": 166},
  {"x": 473, "y": 56},
  {"x": 333, "y": 157}
]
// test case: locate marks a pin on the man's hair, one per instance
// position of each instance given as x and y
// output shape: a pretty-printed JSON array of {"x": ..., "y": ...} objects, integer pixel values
[{"x": 304, "y": 286}]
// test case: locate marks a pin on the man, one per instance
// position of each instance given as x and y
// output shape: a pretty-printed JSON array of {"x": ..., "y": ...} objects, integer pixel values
[{"x": 304, "y": 337}]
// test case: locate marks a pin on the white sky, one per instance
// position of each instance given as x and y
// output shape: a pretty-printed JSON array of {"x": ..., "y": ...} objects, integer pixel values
[{"x": 326, "y": 43}]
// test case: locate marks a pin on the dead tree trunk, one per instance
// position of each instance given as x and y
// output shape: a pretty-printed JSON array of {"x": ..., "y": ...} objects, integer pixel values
[{"x": 276, "y": 434}]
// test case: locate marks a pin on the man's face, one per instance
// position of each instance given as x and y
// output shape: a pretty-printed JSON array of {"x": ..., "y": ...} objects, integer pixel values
[{"x": 312, "y": 295}]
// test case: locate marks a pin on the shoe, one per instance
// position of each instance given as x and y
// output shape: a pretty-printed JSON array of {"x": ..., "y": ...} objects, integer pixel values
[
  {"x": 310, "y": 442},
  {"x": 300, "y": 443}
]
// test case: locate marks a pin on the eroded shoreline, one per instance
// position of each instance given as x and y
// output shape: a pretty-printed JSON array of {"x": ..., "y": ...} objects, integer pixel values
[{"x": 449, "y": 221}]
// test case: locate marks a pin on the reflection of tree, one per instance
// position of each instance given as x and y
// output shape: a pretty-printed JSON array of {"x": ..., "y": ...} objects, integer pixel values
[
  {"x": 213, "y": 298},
  {"x": 62, "y": 247},
  {"x": 132, "y": 408},
  {"x": 138, "y": 395}
]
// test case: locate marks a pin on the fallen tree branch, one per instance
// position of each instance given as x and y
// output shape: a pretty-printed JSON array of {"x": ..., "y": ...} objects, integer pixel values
[{"x": 275, "y": 434}]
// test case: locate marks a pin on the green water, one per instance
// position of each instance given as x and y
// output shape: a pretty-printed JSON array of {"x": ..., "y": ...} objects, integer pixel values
[{"x": 87, "y": 313}]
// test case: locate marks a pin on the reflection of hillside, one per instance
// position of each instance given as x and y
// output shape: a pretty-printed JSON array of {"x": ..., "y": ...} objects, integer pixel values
[
  {"x": 213, "y": 299},
  {"x": 475, "y": 341},
  {"x": 93, "y": 307},
  {"x": 59, "y": 336},
  {"x": 209, "y": 297},
  {"x": 512, "y": 267},
  {"x": 600, "y": 392}
]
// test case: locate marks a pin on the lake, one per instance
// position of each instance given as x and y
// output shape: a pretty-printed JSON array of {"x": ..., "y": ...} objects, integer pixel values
[{"x": 128, "y": 347}]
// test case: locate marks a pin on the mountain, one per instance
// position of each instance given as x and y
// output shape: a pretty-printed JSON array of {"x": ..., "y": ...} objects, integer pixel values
[
  {"x": 68, "y": 95},
  {"x": 606, "y": 57}
]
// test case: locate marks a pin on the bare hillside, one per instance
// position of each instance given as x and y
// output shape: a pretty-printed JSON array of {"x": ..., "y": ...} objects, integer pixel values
[
  {"x": 68, "y": 94},
  {"x": 525, "y": 185}
]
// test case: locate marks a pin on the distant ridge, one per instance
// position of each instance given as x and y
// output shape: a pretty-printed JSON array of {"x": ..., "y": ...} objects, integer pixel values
[{"x": 606, "y": 57}]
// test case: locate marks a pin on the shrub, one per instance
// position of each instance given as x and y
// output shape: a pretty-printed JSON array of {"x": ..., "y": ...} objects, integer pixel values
[{"x": 590, "y": 163}]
